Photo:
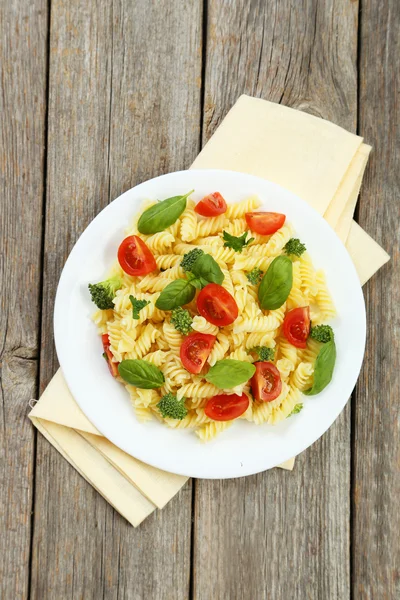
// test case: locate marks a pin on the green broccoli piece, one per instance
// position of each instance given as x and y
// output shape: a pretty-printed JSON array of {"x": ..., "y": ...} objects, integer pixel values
[
  {"x": 322, "y": 333},
  {"x": 137, "y": 306},
  {"x": 170, "y": 406},
  {"x": 263, "y": 353},
  {"x": 190, "y": 258},
  {"x": 182, "y": 321},
  {"x": 255, "y": 275},
  {"x": 294, "y": 246},
  {"x": 103, "y": 293},
  {"x": 297, "y": 409}
]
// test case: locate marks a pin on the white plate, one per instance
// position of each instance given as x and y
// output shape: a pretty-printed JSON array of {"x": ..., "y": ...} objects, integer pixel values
[{"x": 244, "y": 448}]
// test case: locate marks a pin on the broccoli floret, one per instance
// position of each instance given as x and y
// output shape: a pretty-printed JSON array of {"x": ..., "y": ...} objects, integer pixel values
[
  {"x": 103, "y": 293},
  {"x": 137, "y": 306},
  {"x": 170, "y": 406},
  {"x": 190, "y": 258},
  {"x": 264, "y": 353},
  {"x": 322, "y": 333},
  {"x": 181, "y": 320},
  {"x": 255, "y": 275},
  {"x": 294, "y": 246},
  {"x": 297, "y": 409}
]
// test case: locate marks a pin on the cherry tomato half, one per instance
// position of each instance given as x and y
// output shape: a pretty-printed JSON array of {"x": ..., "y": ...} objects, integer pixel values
[
  {"x": 113, "y": 366},
  {"x": 211, "y": 205},
  {"x": 195, "y": 350},
  {"x": 266, "y": 383},
  {"x": 226, "y": 407},
  {"x": 296, "y": 326},
  {"x": 265, "y": 223},
  {"x": 134, "y": 256},
  {"x": 217, "y": 305}
]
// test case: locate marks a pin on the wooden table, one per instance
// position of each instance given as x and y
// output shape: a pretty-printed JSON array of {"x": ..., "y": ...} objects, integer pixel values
[{"x": 95, "y": 98}]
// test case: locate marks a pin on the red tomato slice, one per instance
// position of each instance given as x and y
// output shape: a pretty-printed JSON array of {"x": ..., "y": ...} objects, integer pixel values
[
  {"x": 113, "y": 366},
  {"x": 296, "y": 326},
  {"x": 266, "y": 383},
  {"x": 226, "y": 407},
  {"x": 265, "y": 223},
  {"x": 134, "y": 256},
  {"x": 211, "y": 205},
  {"x": 217, "y": 305},
  {"x": 195, "y": 350}
]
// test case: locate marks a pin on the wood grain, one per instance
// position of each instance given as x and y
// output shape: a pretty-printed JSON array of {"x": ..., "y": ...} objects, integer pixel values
[
  {"x": 23, "y": 31},
  {"x": 376, "y": 522},
  {"x": 280, "y": 535},
  {"x": 124, "y": 105}
]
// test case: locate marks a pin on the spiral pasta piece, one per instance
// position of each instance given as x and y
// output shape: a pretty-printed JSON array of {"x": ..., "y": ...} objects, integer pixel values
[
  {"x": 156, "y": 358},
  {"x": 194, "y": 418},
  {"x": 211, "y": 240},
  {"x": 296, "y": 297},
  {"x": 227, "y": 282},
  {"x": 210, "y": 430},
  {"x": 260, "y": 338},
  {"x": 237, "y": 227},
  {"x": 220, "y": 348},
  {"x": 160, "y": 242},
  {"x": 285, "y": 367},
  {"x": 173, "y": 337},
  {"x": 323, "y": 298},
  {"x": 282, "y": 412},
  {"x": 239, "y": 209},
  {"x": 198, "y": 389},
  {"x": 166, "y": 261},
  {"x": 173, "y": 273},
  {"x": 244, "y": 262},
  {"x": 286, "y": 350},
  {"x": 210, "y": 226},
  {"x": 100, "y": 318},
  {"x": 143, "y": 344},
  {"x": 310, "y": 353},
  {"x": 308, "y": 285},
  {"x": 262, "y": 411},
  {"x": 189, "y": 223},
  {"x": 302, "y": 377},
  {"x": 264, "y": 323},
  {"x": 202, "y": 326}
]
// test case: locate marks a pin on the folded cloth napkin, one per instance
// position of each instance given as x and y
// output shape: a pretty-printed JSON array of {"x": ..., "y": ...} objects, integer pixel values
[{"x": 317, "y": 160}]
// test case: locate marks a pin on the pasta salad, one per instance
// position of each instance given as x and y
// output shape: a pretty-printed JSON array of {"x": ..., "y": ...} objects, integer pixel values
[{"x": 214, "y": 312}]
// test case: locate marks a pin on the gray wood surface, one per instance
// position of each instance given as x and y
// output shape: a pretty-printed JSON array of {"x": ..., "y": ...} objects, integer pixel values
[
  {"x": 294, "y": 526},
  {"x": 23, "y": 32},
  {"x": 132, "y": 90},
  {"x": 376, "y": 476},
  {"x": 119, "y": 85}
]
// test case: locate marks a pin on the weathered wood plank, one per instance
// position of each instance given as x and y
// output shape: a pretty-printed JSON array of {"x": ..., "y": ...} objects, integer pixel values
[
  {"x": 23, "y": 30},
  {"x": 124, "y": 106},
  {"x": 280, "y": 535},
  {"x": 376, "y": 523}
]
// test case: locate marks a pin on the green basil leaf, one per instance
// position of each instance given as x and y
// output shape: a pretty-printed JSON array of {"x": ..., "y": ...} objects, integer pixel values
[
  {"x": 323, "y": 369},
  {"x": 237, "y": 243},
  {"x": 198, "y": 283},
  {"x": 276, "y": 284},
  {"x": 141, "y": 373},
  {"x": 177, "y": 293},
  {"x": 228, "y": 373},
  {"x": 207, "y": 270},
  {"x": 163, "y": 214}
]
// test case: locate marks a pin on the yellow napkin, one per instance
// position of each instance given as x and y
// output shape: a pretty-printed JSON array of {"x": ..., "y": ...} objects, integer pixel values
[{"x": 317, "y": 160}]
